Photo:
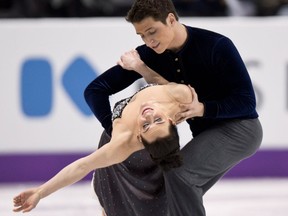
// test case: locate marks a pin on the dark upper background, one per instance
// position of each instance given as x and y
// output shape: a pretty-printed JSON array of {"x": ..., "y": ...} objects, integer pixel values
[{"x": 11, "y": 9}]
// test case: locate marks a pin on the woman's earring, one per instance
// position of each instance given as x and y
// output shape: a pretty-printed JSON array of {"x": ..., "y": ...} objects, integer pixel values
[{"x": 139, "y": 138}]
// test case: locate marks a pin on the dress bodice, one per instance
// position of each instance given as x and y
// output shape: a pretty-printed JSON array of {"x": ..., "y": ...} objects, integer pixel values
[{"x": 120, "y": 105}]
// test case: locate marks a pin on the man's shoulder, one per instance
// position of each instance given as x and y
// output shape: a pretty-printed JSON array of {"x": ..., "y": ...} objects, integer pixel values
[
  {"x": 206, "y": 38},
  {"x": 202, "y": 31},
  {"x": 204, "y": 34}
]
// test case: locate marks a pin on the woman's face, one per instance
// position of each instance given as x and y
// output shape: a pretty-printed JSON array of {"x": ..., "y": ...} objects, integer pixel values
[
  {"x": 155, "y": 34},
  {"x": 152, "y": 121}
]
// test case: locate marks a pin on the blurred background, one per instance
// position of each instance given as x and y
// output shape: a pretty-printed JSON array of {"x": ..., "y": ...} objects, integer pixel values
[
  {"x": 112, "y": 8},
  {"x": 51, "y": 49}
]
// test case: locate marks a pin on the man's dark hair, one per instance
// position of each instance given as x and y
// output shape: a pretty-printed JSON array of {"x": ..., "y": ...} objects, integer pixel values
[
  {"x": 157, "y": 9},
  {"x": 164, "y": 151}
]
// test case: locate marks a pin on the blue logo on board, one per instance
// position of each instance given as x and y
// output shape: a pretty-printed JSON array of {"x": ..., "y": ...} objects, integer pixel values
[{"x": 37, "y": 83}]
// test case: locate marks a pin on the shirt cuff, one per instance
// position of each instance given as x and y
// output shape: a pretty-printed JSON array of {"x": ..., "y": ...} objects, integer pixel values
[{"x": 210, "y": 109}]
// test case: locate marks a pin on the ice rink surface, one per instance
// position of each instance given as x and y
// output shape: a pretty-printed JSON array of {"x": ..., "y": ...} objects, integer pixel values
[{"x": 229, "y": 197}]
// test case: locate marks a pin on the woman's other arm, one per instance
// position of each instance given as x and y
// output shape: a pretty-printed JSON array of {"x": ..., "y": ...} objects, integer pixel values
[
  {"x": 131, "y": 61},
  {"x": 97, "y": 93}
]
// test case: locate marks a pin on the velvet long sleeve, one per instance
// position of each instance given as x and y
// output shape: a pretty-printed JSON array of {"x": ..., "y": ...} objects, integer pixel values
[{"x": 208, "y": 61}]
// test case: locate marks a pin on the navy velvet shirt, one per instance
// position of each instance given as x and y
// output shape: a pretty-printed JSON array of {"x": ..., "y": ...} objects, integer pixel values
[{"x": 208, "y": 61}]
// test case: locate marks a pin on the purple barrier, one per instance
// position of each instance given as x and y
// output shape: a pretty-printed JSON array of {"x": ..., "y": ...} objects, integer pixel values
[
  {"x": 41, "y": 167},
  {"x": 34, "y": 167},
  {"x": 265, "y": 163}
]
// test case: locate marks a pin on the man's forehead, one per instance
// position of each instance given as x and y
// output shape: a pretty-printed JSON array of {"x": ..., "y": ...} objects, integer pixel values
[{"x": 145, "y": 25}]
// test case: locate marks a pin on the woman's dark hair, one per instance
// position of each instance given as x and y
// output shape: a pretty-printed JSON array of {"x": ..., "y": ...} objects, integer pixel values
[
  {"x": 164, "y": 151},
  {"x": 157, "y": 9}
]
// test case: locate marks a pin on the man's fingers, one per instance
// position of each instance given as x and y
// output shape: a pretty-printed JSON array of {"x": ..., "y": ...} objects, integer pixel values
[
  {"x": 194, "y": 94},
  {"x": 185, "y": 110},
  {"x": 180, "y": 117}
]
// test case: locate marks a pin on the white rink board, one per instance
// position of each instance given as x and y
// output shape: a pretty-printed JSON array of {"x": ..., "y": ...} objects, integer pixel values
[{"x": 262, "y": 42}]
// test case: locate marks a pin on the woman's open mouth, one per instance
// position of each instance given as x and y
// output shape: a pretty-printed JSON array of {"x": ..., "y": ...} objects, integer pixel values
[{"x": 145, "y": 110}]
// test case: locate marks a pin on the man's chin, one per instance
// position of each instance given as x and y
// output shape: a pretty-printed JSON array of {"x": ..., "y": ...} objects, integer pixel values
[{"x": 159, "y": 51}]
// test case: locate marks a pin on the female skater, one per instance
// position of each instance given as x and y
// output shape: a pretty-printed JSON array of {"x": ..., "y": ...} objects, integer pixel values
[{"x": 147, "y": 119}]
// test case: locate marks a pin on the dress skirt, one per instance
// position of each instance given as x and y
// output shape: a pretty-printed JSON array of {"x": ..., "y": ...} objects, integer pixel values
[{"x": 134, "y": 187}]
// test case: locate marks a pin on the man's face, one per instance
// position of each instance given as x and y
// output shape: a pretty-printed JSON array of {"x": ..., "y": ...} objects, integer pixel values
[{"x": 155, "y": 34}]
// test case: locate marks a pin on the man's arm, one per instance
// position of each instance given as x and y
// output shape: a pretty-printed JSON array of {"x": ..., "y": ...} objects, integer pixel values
[{"x": 237, "y": 97}]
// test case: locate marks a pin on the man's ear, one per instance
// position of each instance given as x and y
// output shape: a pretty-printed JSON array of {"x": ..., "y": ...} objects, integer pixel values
[{"x": 171, "y": 19}]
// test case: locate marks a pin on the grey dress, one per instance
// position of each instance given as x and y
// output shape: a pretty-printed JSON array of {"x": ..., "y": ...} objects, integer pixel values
[{"x": 134, "y": 187}]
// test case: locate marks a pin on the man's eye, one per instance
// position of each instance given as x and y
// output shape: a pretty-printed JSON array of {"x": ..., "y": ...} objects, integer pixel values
[{"x": 152, "y": 32}]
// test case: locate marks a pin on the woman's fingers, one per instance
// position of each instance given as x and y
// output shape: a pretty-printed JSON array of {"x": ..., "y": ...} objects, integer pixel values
[
  {"x": 25, "y": 207},
  {"x": 26, "y": 201}
]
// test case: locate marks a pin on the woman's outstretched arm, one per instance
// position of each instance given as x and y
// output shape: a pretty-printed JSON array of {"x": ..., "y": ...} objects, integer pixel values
[
  {"x": 27, "y": 200},
  {"x": 111, "y": 153}
]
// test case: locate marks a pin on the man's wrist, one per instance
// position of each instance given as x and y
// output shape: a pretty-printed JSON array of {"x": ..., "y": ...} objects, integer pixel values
[{"x": 201, "y": 109}]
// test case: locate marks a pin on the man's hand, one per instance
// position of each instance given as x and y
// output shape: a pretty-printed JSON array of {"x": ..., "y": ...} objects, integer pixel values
[{"x": 191, "y": 110}]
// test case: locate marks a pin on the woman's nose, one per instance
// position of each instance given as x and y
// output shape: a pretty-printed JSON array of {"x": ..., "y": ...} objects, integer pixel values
[{"x": 149, "y": 116}]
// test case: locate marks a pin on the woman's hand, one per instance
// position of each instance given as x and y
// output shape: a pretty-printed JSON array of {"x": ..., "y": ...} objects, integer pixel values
[
  {"x": 131, "y": 61},
  {"x": 26, "y": 200},
  {"x": 191, "y": 110}
]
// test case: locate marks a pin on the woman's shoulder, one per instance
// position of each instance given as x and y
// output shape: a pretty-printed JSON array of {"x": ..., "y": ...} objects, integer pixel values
[
  {"x": 180, "y": 92},
  {"x": 124, "y": 133}
]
